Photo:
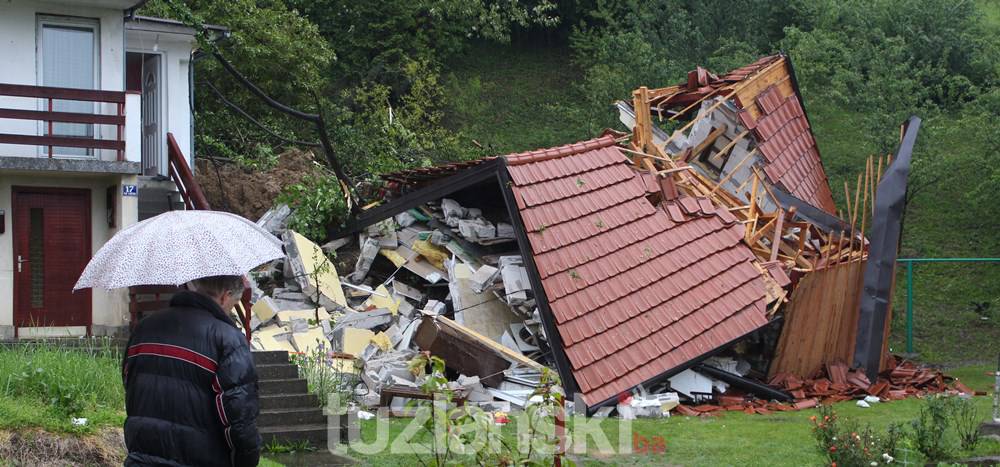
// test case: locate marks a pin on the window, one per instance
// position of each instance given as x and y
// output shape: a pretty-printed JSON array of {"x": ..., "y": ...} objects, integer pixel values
[
  {"x": 36, "y": 256},
  {"x": 68, "y": 58}
]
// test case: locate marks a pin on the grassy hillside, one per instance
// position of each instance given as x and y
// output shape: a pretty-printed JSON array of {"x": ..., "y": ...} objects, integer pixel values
[{"x": 504, "y": 99}]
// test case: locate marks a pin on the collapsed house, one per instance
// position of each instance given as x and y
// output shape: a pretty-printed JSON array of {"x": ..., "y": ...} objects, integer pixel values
[{"x": 704, "y": 262}]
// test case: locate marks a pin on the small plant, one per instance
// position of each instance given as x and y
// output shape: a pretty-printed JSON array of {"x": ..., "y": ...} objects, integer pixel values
[
  {"x": 848, "y": 446},
  {"x": 292, "y": 447},
  {"x": 966, "y": 418},
  {"x": 320, "y": 369},
  {"x": 930, "y": 427}
]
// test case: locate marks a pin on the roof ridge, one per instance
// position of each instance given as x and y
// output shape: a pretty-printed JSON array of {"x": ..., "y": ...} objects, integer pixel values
[{"x": 545, "y": 154}]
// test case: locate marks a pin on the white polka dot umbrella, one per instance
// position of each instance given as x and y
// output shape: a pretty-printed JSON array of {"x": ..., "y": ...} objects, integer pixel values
[{"x": 178, "y": 246}]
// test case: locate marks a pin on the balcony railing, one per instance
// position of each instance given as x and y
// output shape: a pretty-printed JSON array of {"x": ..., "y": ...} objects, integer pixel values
[{"x": 49, "y": 117}]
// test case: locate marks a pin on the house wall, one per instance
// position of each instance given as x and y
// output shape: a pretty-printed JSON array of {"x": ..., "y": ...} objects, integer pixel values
[
  {"x": 110, "y": 308},
  {"x": 175, "y": 58},
  {"x": 18, "y": 42}
]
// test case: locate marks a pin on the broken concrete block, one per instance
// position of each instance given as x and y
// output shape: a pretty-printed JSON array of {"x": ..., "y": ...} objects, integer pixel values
[
  {"x": 264, "y": 309},
  {"x": 274, "y": 337},
  {"x": 405, "y": 219},
  {"x": 310, "y": 340},
  {"x": 435, "y": 307},
  {"x": 515, "y": 279},
  {"x": 275, "y": 219},
  {"x": 505, "y": 230},
  {"x": 484, "y": 277},
  {"x": 332, "y": 246},
  {"x": 298, "y": 325},
  {"x": 313, "y": 270},
  {"x": 406, "y": 308},
  {"x": 385, "y": 232},
  {"x": 291, "y": 296},
  {"x": 287, "y": 316},
  {"x": 439, "y": 238},
  {"x": 451, "y": 208},
  {"x": 363, "y": 319},
  {"x": 369, "y": 250},
  {"x": 407, "y": 291}
]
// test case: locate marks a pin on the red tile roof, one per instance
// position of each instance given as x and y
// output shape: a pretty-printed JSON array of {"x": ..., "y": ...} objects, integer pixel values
[
  {"x": 786, "y": 142},
  {"x": 635, "y": 290},
  {"x": 782, "y": 131}
]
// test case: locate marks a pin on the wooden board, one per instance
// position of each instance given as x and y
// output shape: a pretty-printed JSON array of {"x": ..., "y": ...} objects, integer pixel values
[{"x": 821, "y": 320}]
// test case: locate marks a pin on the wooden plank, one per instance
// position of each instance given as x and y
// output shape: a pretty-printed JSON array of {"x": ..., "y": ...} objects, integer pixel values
[
  {"x": 68, "y": 117},
  {"x": 62, "y": 141},
  {"x": 733, "y": 171},
  {"x": 70, "y": 94}
]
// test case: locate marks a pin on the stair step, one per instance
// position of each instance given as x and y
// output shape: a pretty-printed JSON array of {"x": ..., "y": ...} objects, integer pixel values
[
  {"x": 269, "y": 357},
  {"x": 288, "y": 401},
  {"x": 314, "y": 434},
  {"x": 291, "y": 417},
  {"x": 287, "y": 386},
  {"x": 277, "y": 371}
]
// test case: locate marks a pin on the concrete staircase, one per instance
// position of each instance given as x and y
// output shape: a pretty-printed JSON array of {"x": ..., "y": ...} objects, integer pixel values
[{"x": 288, "y": 412}]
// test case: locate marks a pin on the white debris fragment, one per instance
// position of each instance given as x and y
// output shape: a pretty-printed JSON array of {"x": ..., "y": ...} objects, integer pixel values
[
  {"x": 452, "y": 209},
  {"x": 863, "y": 404},
  {"x": 515, "y": 279},
  {"x": 369, "y": 250}
]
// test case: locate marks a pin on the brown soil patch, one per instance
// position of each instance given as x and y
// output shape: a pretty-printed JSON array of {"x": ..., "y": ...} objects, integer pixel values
[
  {"x": 249, "y": 193},
  {"x": 41, "y": 448}
]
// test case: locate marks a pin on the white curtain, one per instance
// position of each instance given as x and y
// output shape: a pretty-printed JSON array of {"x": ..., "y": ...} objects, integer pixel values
[{"x": 68, "y": 62}]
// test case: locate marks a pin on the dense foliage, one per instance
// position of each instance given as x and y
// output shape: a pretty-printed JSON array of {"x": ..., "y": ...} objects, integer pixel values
[{"x": 379, "y": 71}]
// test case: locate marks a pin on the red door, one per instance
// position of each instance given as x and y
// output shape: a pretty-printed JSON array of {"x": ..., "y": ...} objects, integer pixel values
[{"x": 51, "y": 248}]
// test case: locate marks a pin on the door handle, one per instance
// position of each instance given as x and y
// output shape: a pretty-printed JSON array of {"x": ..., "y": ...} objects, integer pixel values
[{"x": 21, "y": 260}]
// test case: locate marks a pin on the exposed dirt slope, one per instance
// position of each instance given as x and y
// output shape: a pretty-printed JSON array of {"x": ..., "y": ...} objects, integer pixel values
[{"x": 251, "y": 193}]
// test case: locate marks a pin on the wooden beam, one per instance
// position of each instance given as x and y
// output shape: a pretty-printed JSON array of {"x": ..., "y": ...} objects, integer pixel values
[
  {"x": 776, "y": 241},
  {"x": 733, "y": 171}
]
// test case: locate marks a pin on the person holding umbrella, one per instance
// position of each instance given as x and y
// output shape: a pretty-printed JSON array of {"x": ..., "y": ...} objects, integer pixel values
[{"x": 190, "y": 382}]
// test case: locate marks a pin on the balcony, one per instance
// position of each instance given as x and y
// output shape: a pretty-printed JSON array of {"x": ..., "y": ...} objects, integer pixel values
[{"x": 37, "y": 134}]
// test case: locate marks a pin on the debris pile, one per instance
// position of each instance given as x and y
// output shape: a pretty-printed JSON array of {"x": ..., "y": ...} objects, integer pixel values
[{"x": 443, "y": 278}]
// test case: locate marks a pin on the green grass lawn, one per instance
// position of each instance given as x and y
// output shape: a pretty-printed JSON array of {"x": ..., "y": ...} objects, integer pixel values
[{"x": 505, "y": 98}]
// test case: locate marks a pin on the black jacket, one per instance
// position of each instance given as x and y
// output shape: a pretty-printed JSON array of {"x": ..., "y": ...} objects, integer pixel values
[{"x": 190, "y": 388}]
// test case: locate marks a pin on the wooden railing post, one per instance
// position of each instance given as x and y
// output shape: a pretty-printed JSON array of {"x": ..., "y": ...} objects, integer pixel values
[{"x": 50, "y": 128}]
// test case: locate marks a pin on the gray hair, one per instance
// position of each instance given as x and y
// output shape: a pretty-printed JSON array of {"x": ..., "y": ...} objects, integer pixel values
[{"x": 216, "y": 285}]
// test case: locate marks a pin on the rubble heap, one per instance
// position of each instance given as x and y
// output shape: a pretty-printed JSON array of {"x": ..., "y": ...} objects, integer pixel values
[{"x": 442, "y": 278}]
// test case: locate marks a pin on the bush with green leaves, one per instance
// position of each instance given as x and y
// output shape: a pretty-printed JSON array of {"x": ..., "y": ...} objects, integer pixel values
[
  {"x": 847, "y": 445},
  {"x": 317, "y": 201}
]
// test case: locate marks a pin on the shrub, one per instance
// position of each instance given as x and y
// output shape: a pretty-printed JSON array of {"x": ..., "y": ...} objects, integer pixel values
[
  {"x": 930, "y": 428},
  {"x": 317, "y": 367},
  {"x": 848, "y": 446}
]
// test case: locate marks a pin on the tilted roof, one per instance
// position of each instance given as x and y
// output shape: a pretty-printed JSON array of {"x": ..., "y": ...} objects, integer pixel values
[{"x": 635, "y": 289}]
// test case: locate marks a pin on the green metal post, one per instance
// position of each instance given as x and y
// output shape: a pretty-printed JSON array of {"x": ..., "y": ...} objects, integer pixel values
[{"x": 909, "y": 307}]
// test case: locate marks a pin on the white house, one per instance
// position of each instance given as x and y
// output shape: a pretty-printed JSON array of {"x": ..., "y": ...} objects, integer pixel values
[{"x": 92, "y": 100}]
